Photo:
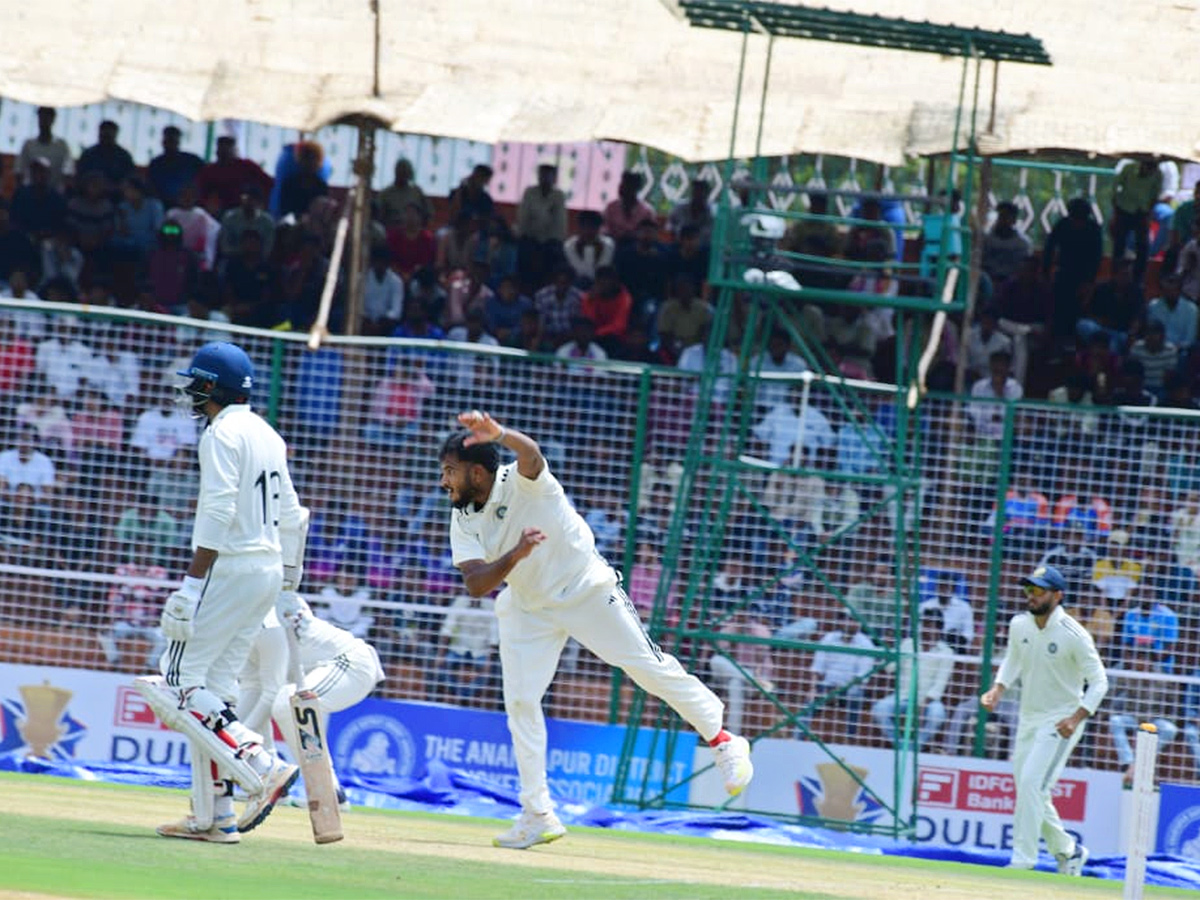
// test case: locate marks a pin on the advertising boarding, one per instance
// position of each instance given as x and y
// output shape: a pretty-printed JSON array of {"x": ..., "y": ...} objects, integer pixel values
[
  {"x": 79, "y": 715},
  {"x": 960, "y": 801}
]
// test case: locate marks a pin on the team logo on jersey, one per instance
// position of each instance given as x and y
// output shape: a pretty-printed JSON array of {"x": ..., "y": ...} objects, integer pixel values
[
  {"x": 1053, "y": 648},
  {"x": 501, "y": 512}
]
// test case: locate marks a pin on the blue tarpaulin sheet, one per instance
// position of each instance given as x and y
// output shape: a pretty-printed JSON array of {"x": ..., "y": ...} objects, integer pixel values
[{"x": 446, "y": 790}]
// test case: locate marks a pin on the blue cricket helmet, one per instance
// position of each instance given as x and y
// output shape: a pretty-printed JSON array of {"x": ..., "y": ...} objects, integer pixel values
[{"x": 221, "y": 372}]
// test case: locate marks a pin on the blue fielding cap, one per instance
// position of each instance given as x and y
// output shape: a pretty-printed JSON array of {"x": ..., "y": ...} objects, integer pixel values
[{"x": 1046, "y": 577}]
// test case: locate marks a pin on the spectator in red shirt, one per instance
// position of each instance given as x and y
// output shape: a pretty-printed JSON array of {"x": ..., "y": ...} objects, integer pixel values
[
  {"x": 228, "y": 176},
  {"x": 608, "y": 305},
  {"x": 16, "y": 356},
  {"x": 412, "y": 244},
  {"x": 623, "y": 215}
]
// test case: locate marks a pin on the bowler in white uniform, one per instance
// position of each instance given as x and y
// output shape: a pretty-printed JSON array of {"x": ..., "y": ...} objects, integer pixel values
[
  {"x": 1062, "y": 684},
  {"x": 513, "y": 525}
]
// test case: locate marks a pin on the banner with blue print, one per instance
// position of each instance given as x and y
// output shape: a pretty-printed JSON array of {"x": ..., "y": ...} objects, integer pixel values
[
  {"x": 383, "y": 739},
  {"x": 1179, "y": 821}
]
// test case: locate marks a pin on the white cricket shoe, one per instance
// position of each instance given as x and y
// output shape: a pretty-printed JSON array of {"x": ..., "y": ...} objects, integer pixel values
[
  {"x": 733, "y": 759},
  {"x": 529, "y": 830},
  {"x": 1073, "y": 864},
  {"x": 276, "y": 783},
  {"x": 224, "y": 830}
]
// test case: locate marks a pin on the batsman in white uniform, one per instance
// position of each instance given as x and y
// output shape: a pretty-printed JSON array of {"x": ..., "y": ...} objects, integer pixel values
[
  {"x": 246, "y": 512},
  {"x": 513, "y": 525},
  {"x": 1062, "y": 684},
  {"x": 333, "y": 664}
]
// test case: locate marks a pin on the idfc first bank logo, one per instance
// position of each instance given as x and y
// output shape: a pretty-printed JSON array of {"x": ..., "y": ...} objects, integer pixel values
[{"x": 991, "y": 792}]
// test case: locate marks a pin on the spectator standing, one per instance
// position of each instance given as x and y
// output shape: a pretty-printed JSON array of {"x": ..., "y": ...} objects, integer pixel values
[
  {"x": 541, "y": 225},
  {"x": 107, "y": 157},
  {"x": 305, "y": 184},
  {"x": 228, "y": 175},
  {"x": 46, "y": 146},
  {"x": 984, "y": 338},
  {"x": 1072, "y": 255},
  {"x": 1005, "y": 249},
  {"x": 173, "y": 168},
  {"x": 623, "y": 215},
  {"x": 1136, "y": 189},
  {"x": 471, "y": 197},
  {"x": 394, "y": 198}
]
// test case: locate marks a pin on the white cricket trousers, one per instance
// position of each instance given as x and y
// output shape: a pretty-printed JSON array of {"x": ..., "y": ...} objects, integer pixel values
[
  {"x": 1038, "y": 760},
  {"x": 235, "y": 599},
  {"x": 339, "y": 683},
  {"x": 608, "y": 625}
]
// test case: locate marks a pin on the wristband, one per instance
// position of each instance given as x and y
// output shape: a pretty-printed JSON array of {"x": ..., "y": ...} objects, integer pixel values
[
  {"x": 500, "y": 436},
  {"x": 191, "y": 587}
]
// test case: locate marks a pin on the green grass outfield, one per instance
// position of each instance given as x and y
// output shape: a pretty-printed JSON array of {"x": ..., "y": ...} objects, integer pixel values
[{"x": 65, "y": 838}]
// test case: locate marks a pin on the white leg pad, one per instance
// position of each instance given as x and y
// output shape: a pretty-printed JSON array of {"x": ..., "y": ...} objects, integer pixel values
[
  {"x": 165, "y": 703},
  {"x": 202, "y": 785}
]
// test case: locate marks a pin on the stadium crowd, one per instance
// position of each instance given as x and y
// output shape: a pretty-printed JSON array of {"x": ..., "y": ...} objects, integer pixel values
[{"x": 93, "y": 421}]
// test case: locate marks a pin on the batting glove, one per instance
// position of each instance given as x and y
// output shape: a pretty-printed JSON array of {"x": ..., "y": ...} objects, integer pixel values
[{"x": 180, "y": 609}]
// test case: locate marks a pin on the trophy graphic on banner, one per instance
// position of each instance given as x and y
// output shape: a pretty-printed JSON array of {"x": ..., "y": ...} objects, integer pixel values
[
  {"x": 44, "y": 706},
  {"x": 841, "y": 791}
]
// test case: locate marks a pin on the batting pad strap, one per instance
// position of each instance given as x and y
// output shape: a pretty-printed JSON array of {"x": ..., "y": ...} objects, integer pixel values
[{"x": 165, "y": 703}]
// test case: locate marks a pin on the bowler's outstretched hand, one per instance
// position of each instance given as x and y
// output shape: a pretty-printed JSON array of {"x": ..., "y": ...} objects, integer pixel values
[{"x": 482, "y": 426}]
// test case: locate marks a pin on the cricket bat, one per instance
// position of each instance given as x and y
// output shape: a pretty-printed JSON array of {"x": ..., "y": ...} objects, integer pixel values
[{"x": 316, "y": 766}]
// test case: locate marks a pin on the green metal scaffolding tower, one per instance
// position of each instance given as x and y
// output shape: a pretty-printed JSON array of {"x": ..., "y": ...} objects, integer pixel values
[{"x": 717, "y": 491}]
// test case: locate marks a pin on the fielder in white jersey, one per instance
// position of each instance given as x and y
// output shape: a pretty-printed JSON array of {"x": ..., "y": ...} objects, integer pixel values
[
  {"x": 513, "y": 525},
  {"x": 246, "y": 512},
  {"x": 335, "y": 665},
  {"x": 1062, "y": 684}
]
